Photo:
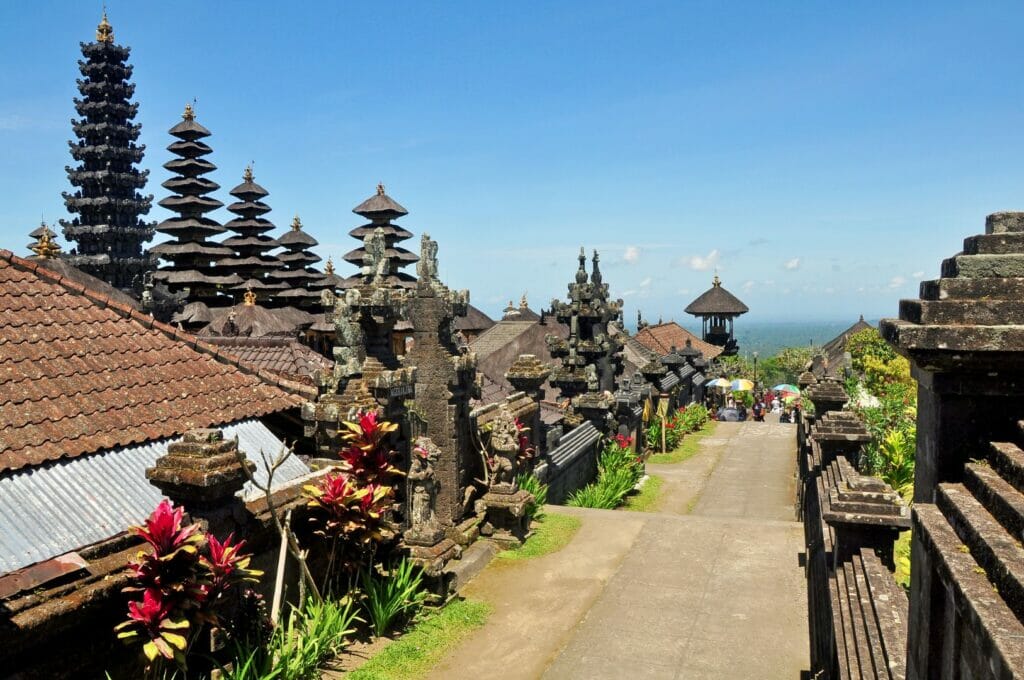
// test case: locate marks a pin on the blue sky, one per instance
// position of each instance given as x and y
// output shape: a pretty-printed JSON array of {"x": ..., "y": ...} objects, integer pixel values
[{"x": 823, "y": 157}]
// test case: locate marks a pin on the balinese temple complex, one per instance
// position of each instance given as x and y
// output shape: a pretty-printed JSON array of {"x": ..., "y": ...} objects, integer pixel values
[{"x": 717, "y": 308}]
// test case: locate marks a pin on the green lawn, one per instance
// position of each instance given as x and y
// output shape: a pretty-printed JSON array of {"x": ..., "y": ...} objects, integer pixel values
[
  {"x": 417, "y": 651},
  {"x": 551, "y": 534},
  {"x": 686, "y": 450},
  {"x": 647, "y": 498}
]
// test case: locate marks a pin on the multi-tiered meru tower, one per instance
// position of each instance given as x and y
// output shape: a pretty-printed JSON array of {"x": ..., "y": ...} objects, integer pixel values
[{"x": 107, "y": 229}]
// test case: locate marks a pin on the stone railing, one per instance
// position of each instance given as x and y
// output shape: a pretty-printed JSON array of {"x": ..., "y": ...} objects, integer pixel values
[
  {"x": 572, "y": 463},
  {"x": 857, "y": 613}
]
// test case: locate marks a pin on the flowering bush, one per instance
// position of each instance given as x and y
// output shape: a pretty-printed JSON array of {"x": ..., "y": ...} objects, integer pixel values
[
  {"x": 181, "y": 587},
  {"x": 685, "y": 420}
]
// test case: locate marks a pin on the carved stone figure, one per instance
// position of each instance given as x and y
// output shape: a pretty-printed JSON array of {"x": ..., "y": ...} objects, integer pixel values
[
  {"x": 423, "y": 487},
  {"x": 593, "y": 385},
  {"x": 504, "y": 445},
  {"x": 376, "y": 261},
  {"x": 426, "y": 268},
  {"x": 424, "y": 527}
]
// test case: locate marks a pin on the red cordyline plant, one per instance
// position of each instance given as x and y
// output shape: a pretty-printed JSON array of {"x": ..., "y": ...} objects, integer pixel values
[
  {"x": 365, "y": 456},
  {"x": 349, "y": 507},
  {"x": 180, "y": 587},
  {"x": 526, "y": 451},
  {"x": 624, "y": 442}
]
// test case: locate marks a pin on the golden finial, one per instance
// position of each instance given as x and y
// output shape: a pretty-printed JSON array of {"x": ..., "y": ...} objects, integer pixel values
[
  {"x": 105, "y": 32},
  {"x": 716, "y": 282},
  {"x": 190, "y": 113},
  {"x": 522, "y": 302},
  {"x": 45, "y": 248},
  {"x": 247, "y": 175},
  {"x": 380, "y": 188},
  {"x": 329, "y": 269},
  {"x": 296, "y": 223},
  {"x": 249, "y": 297}
]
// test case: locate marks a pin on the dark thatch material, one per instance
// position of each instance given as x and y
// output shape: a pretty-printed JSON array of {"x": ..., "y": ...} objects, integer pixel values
[
  {"x": 474, "y": 321},
  {"x": 717, "y": 300}
]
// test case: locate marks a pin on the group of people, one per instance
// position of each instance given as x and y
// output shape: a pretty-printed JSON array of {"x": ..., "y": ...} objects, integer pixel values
[{"x": 730, "y": 409}]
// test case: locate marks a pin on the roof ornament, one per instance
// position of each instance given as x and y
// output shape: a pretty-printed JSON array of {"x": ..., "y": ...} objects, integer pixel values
[
  {"x": 581, "y": 273},
  {"x": 45, "y": 248},
  {"x": 296, "y": 223},
  {"x": 595, "y": 276},
  {"x": 380, "y": 188},
  {"x": 190, "y": 113},
  {"x": 716, "y": 282},
  {"x": 522, "y": 301},
  {"x": 105, "y": 32},
  {"x": 249, "y": 297},
  {"x": 329, "y": 269},
  {"x": 247, "y": 175}
]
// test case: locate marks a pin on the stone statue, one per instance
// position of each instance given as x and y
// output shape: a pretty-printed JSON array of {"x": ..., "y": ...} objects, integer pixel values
[
  {"x": 593, "y": 383},
  {"x": 375, "y": 263},
  {"x": 504, "y": 445},
  {"x": 423, "y": 489},
  {"x": 426, "y": 268}
]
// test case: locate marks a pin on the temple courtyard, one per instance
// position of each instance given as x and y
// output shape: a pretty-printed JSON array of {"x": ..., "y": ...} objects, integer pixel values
[{"x": 707, "y": 586}]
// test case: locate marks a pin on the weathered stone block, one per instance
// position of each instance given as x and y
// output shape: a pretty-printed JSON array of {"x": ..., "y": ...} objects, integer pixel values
[{"x": 1004, "y": 222}]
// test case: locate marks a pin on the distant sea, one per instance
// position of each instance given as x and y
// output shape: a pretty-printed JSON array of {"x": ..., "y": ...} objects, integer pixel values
[{"x": 767, "y": 338}]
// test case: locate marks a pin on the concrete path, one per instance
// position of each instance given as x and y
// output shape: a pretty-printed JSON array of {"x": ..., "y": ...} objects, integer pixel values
[{"x": 716, "y": 593}]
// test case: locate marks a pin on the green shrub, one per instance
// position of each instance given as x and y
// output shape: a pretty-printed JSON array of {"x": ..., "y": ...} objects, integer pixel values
[
  {"x": 390, "y": 597},
  {"x": 618, "y": 471},
  {"x": 527, "y": 482},
  {"x": 310, "y": 635}
]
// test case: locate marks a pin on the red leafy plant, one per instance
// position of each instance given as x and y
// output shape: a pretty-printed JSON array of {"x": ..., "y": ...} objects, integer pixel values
[
  {"x": 365, "y": 456},
  {"x": 181, "y": 588},
  {"x": 526, "y": 450},
  {"x": 350, "y": 507}
]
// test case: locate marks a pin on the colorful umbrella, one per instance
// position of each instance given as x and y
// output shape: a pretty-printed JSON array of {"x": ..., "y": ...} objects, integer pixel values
[
  {"x": 719, "y": 382},
  {"x": 786, "y": 387},
  {"x": 742, "y": 385}
]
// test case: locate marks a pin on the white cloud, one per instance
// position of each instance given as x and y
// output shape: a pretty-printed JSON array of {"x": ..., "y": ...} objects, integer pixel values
[
  {"x": 918, "y": 275},
  {"x": 632, "y": 254},
  {"x": 748, "y": 286},
  {"x": 646, "y": 283},
  {"x": 897, "y": 281},
  {"x": 791, "y": 265},
  {"x": 683, "y": 291},
  {"x": 703, "y": 264}
]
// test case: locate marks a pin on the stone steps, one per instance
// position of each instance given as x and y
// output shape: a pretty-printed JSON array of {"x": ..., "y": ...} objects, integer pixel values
[
  {"x": 1008, "y": 460},
  {"x": 998, "y": 627},
  {"x": 994, "y": 244},
  {"x": 983, "y": 266},
  {"x": 997, "y": 495},
  {"x": 871, "y": 630},
  {"x": 973, "y": 289},
  {"x": 983, "y": 312},
  {"x": 989, "y": 543}
]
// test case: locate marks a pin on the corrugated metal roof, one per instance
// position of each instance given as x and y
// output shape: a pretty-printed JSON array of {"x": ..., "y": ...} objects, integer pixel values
[{"x": 52, "y": 509}]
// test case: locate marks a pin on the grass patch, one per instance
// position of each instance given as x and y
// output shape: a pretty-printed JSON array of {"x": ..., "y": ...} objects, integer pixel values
[
  {"x": 686, "y": 450},
  {"x": 901, "y": 555},
  {"x": 648, "y": 496},
  {"x": 550, "y": 535},
  {"x": 419, "y": 650}
]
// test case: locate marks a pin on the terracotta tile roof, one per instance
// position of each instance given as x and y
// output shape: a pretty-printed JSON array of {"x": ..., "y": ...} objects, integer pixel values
[
  {"x": 288, "y": 358},
  {"x": 81, "y": 372},
  {"x": 661, "y": 337}
]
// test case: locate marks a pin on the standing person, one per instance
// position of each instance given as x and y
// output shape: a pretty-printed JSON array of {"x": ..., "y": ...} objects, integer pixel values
[
  {"x": 758, "y": 410},
  {"x": 742, "y": 410}
]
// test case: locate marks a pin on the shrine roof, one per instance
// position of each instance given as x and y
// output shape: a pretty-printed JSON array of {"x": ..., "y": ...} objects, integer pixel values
[{"x": 83, "y": 372}]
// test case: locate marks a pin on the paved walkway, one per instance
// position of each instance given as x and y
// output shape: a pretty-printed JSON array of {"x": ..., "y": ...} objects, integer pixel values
[{"x": 715, "y": 593}]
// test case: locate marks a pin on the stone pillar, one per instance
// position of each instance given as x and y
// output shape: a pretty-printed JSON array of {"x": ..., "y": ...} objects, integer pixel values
[
  {"x": 965, "y": 340},
  {"x": 202, "y": 473},
  {"x": 527, "y": 374}
]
